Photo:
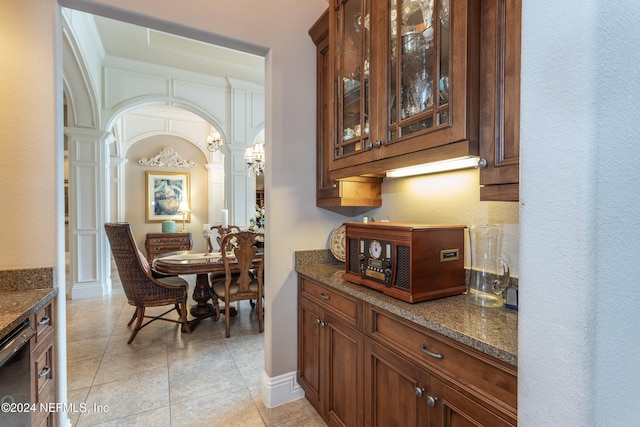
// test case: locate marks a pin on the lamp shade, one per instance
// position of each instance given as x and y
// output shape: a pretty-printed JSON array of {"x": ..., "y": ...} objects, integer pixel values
[{"x": 184, "y": 207}]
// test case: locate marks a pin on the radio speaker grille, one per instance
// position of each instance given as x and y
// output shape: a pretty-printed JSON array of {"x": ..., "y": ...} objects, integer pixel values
[
  {"x": 353, "y": 257},
  {"x": 403, "y": 270}
]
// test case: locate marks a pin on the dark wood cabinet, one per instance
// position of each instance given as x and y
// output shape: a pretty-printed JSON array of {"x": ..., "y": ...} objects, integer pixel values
[
  {"x": 400, "y": 86},
  {"x": 500, "y": 99},
  {"x": 406, "y": 83},
  {"x": 361, "y": 365},
  {"x": 43, "y": 369},
  {"x": 441, "y": 381},
  {"x": 330, "y": 353},
  {"x": 330, "y": 193},
  {"x": 391, "y": 384},
  {"x": 161, "y": 243}
]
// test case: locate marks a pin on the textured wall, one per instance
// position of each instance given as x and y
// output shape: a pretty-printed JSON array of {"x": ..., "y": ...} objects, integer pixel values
[{"x": 579, "y": 356}]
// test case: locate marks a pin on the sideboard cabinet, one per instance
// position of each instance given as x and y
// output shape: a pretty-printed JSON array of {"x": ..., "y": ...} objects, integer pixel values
[
  {"x": 361, "y": 365},
  {"x": 161, "y": 243}
]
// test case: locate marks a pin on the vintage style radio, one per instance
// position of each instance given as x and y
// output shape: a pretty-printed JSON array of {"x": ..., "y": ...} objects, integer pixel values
[{"x": 411, "y": 262}]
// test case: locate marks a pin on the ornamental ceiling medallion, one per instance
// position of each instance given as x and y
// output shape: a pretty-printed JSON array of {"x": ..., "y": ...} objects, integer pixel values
[{"x": 167, "y": 157}]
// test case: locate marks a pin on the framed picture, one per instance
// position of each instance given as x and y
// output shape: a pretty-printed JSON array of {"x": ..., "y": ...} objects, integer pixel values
[{"x": 165, "y": 191}]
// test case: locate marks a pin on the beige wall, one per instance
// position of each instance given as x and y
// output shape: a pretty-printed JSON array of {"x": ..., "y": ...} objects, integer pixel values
[
  {"x": 450, "y": 198},
  {"x": 135, "y": 187},
  {"x": 30, "y": 160}
]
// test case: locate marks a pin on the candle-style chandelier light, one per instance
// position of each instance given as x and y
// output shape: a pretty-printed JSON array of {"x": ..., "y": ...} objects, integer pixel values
[
  {"x": 254, "y": 156},
  {"x": 214, "y": 141}
]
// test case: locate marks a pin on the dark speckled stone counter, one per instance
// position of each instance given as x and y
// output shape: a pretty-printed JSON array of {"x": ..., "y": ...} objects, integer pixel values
[
  {"x": 492, "y": 331},
  {"x": 23, "y": 292}
]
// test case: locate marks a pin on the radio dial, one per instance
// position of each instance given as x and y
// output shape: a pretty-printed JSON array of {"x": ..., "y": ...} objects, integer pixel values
[{"x": 375, "y": 249}]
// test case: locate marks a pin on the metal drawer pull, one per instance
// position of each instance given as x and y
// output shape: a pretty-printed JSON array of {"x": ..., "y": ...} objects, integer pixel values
[
  {"x": 323, "y": 296},
  {"x": 428, "y": 353},
  {"x": 44, "y": 372},
  {"x": 44, "y": 320}
]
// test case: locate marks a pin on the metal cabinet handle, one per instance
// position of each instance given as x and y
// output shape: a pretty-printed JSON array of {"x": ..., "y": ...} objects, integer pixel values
[
  {"x": 321, "y": 323},
  {"x": 44, "y": 320},
  {"x": 419, "y": 391},
  {"x": 323, "y": 296},
  {"x": 431, "y": 401},
  {"x": 429, "y": 353},
  {"x": 44, "y": 372},
  {"x": 378, "y": 143}
]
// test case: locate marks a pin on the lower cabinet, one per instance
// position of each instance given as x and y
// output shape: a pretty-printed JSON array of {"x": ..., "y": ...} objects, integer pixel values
[
  {"x": 392, "y": 385},
  {"x": 361, "y": 365},
  {"x": 43, "y": 374},
  {"x": 330, "y": 359}
]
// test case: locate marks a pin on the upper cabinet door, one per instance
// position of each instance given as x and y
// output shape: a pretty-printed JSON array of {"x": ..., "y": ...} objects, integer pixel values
[
  {"x": 352, "y": 42},
  {"x": 432, "y": 79},
  {"x": 500, "y": 99},
  {"x": 407, "y": 80}
]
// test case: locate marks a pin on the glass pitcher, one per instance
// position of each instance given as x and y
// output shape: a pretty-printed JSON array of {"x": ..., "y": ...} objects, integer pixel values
[{"x": 489, "y": 274}]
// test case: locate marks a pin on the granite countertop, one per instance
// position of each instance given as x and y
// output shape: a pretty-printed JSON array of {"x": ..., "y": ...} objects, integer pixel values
[
  {"x": 23, "y": 292},
  {"x": 493, "y": 331},
  {"x": 15, "y": 306}
]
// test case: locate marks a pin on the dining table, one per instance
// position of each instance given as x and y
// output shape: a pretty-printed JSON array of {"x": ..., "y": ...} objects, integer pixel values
[{"x": 202, "y": 264}]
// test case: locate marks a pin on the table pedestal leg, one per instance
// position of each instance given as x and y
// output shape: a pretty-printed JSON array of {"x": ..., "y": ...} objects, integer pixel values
[{"x": 201, "y": 294}]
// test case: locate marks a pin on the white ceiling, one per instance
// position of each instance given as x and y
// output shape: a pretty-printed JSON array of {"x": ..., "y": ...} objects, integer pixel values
[{"x": 130, "y": 41}]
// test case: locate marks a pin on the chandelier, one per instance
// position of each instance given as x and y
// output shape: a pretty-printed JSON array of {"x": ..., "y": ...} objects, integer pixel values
[
  {"x": 214, "y": 141},
  {"x": 254, "y": 156}
]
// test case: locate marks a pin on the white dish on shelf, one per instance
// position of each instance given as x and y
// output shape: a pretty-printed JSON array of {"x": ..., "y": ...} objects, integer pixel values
[{"x": 337, "y": 243}]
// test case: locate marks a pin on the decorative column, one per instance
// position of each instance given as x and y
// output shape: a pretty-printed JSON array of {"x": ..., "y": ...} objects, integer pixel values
[
  {"x": 240, "y": 189},
  {"x": 88, "y": 210}
]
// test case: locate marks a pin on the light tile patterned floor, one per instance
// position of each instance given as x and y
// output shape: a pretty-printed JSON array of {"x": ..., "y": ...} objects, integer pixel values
[{"x": 165, "y": 378}]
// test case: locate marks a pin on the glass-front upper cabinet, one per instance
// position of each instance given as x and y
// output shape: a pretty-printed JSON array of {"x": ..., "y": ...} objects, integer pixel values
[
  {"x": 407, "y": 78},
  {"x": 419, "y": 66},
  {"x": 353, "y": 59}
]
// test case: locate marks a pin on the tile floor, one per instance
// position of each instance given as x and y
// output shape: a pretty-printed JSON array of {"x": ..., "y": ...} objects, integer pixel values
[{"x": 165, "y": 378}]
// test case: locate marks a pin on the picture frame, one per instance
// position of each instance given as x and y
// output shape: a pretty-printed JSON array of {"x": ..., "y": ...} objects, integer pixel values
[{"x": 165, "y": 191}]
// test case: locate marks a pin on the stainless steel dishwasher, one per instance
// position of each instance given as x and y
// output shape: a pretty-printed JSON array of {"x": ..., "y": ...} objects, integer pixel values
[{"x": 15, "y": 377}]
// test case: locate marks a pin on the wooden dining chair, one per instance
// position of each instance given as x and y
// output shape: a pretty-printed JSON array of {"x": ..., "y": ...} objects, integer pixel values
[
  {"x": 140, "y": 287},
  {"x": 244, "y": 273},
  {"x": 221, "y": 233}
]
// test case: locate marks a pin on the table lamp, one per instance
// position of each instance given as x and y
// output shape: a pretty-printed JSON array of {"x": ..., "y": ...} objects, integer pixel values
[{"x": 183, "y": 209}]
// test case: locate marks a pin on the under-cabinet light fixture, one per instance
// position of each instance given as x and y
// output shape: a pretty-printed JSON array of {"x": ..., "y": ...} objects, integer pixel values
[{"x": 442, "y": 166}]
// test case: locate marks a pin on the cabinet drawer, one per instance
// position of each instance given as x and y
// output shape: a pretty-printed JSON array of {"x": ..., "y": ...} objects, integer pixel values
[
  {"x": 43, "y": 368},
  {"x": 342, "y": 305},
  {"x": 169, "y": 248},
  {"x": 479, "y": 373},
  {"x": 170, "y": 241},
  {"x": 42, "y": 321}
]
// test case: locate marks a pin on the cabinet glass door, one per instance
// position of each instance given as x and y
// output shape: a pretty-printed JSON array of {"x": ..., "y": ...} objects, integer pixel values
[
  {"x": 353, "y": 44},
  {"x": 419, "y": 66}
]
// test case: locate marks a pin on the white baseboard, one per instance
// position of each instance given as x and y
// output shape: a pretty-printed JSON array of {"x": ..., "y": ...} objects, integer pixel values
[
  {"x": 86, "y": 290},
  {"x": 279, "y": 390}
]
